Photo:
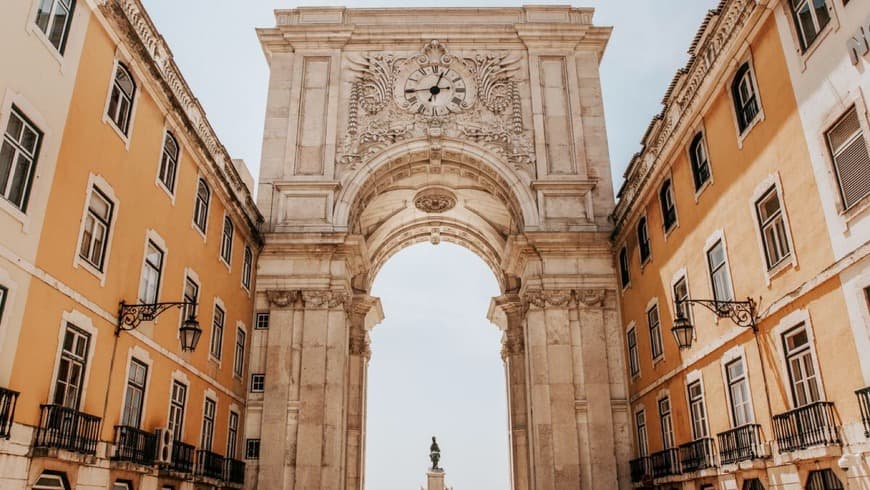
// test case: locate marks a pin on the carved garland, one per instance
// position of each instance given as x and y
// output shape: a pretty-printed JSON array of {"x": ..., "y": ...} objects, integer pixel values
[
  {"x": 539, "y": 299},
  {"x": 309, "y": 299}
]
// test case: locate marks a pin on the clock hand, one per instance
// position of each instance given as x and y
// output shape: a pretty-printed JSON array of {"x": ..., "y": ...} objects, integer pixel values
[{"x": 411, "y": 90}]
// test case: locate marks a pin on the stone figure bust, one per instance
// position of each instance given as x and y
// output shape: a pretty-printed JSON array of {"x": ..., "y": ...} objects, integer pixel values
[{"x": 434, "y": 454}]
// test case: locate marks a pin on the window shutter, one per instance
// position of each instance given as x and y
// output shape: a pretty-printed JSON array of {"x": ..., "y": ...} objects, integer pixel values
[{"x": 851, "y": 159}]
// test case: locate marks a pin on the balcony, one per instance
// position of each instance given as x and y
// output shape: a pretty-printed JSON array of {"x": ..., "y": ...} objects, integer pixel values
[
  {"x": 811, "y": 425},
  {"x": 641, "y": 469},
  {"x": 742, "y": 443},
  {"x": 698, "y": 455},
  {"x": 666, "y": 463},
  {"x": 234, "y": 471},
  {"x": 182, "y": 457},
  {"x": 8, "y": 399},
  {"x": 134, "y": 445},
  {"x": 65, "y": 428},
  {"x": 864, "y": 403},
  {"x": 209, "y": 465}
]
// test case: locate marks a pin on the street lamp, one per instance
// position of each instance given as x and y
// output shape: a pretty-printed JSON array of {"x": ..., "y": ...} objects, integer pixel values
[
  {"x": 742, "y": 313},
  {"x": 130, "y": 316}
]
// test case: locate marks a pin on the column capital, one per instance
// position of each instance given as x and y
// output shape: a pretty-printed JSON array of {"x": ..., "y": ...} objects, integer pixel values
[{"x": 509, "y": 303}]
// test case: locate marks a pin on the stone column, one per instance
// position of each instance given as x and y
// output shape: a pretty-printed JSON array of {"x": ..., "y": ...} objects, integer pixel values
[
  {"x": 359, "y": 354},
  {"x": 554, "y": 432},
  {"x": 514, "y": 355},
  {"x": 280, "y": 407}
]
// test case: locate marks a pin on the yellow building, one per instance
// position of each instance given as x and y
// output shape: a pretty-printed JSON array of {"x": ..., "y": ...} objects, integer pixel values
[
  {"x": 133, "y": 200},
  {"x": 721, "y": 232}
]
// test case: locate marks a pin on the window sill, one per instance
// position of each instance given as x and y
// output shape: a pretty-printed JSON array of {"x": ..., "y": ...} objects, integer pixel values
[
  {"x": 670, "y": 230},
  {"x": 225, "y": 263},
  {"x": 785, "y": 264},
  {"x": 159, "y": 183},
  {"x": 214, "y": 360},
  {"x": 658, "y": 360},
  {"x": 15, "y": 213},
  {"x": 36, "y": 32},
  {"x": 804, "y": 54},
  {"x": 79, "y": 262},
  {"x": 741, "y": 135},
  {"x": 700, "y": 190},
  {"x": 196, "y": 228},
  {"x": 857, "y": 210},
  {"x": 124, "y": 137}
]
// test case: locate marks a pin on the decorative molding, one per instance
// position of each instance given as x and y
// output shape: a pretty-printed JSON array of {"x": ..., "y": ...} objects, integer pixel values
[
  {"x": 325, "y": 299},
  {"x": 282, "y": 299},
  {"x": 435, "y": 200},
  {"x": 583, "y": 298},
  {"x": 591, "y": 297}
]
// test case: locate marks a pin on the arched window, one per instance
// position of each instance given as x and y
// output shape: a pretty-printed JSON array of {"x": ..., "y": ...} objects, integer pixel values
[
  {"x": 669, "y": 207},
  {"x": 745, "y": 98},
  {"x": 643, "y": 240},
  {"x": 227, "y": 240},
  {"x": 624, "y": 274},
  {"x": 121, "y": 99},
  {"x": 169, "y": 162},
  {"x": 200, "y": 210},
  {"x": 700, "y": 161},
  {"x": 824, "y": 480}
]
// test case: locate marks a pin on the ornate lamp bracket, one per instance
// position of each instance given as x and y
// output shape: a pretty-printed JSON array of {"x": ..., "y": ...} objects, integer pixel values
[
  {"x": 130, "y": 316},
  {"x": 742, "y": 313}
]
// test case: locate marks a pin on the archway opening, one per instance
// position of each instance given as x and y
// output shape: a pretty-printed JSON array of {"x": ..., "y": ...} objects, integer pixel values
[{"x": 436, "y": 370}]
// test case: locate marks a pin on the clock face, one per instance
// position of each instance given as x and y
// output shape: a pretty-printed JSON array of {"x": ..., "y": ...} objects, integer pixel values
[{"x": 435, "y": 90}]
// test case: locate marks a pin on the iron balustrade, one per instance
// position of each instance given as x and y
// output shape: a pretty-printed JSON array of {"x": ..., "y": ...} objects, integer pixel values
[
  {"x": 666, "y": 463},
  {"x": 66, "y": 428},
  {"x": 234, "y": 471},
  {"x": 810, "y": 425},
  {"x": 640, "y": 469},
  {"x": 864, "y": 402},
  {"x": 209, "y": 464},
  {"x": 134, "y": 445},
  {"x": 698, "y": 455},
  {"x": 8, "y": 400},
  {"x": 182, "y": 457},
  {"x": 741, "y": 444}
]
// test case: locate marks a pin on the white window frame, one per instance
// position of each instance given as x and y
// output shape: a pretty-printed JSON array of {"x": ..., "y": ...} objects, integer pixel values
[
  {"x": 58, "y": 51},
  {"x": 181, "y": 379},
  {"x": 168, "y": 132},
  {"x": 734, "y": 354},
  {"x": 692, "y": 378},
  {"x": 84, "y": 323},
  {"x": 857, "y": 104},
  {"x": 193, "y": 222},
  {"x": 140, "y": 355},
  {"x": 99, "y": 183},
  {"x": 152, "y": 237},
  {"x": 654, "y": 305},
  {"x": 772, "y": 182},
  {"x": 642, "y": 442},
  {"x": 218, "y": 304},
  {"x": 716, "y": 237},
  {"x": 225, "y": 251},
  {"x": 667, "y": 230},
  {"x": 262, "y": 377},
  {"x": 623, "y": 252},
  {"x": 257, "y": 323},
  {"x": 247, "y": 268},
  {"x": 745, "y": 57},
  {"x": 211, "y": 396},
  {"x": 648, "y": 259},
  {"x": 666, "y": 421},
  {"x": 786, "y": 325},
  {"x": 27, "y": 190},
  {"x": 239, "y": 363},
  {"x": 122, "y": 59},
  {"x": 702, "y": 132},
  {"x": 804, "y": 45},
  {"x": 633, "y": 356},
  {"x": 232, "y": 448},
  {"x": 679, "y": 275}
]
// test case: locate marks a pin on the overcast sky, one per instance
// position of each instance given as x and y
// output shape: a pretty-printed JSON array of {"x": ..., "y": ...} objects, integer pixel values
[{"x": 435, "y": 368}]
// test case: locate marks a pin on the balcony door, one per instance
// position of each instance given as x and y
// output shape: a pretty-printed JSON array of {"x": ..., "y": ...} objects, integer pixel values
[{"x": 71, "y": 368}]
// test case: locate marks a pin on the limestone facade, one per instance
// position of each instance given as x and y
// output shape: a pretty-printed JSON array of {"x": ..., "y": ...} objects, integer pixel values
[{"x": 482, "y": 127}]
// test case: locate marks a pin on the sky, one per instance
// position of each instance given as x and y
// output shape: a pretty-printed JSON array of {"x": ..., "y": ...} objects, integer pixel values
[{"x": 436, "y": 367}]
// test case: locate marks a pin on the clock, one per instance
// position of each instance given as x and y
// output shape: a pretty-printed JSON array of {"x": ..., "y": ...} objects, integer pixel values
[{"x": 435, "y": 89}]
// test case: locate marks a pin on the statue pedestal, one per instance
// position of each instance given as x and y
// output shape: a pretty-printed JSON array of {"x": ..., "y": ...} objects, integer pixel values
[{"x": 435, "y": 479}]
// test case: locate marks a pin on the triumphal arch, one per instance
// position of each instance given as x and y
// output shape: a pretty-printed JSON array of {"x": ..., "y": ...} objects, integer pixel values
[{"x": 481, "y": 127}]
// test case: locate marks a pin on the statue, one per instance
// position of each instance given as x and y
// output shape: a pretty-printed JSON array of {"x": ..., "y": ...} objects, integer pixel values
[{"x": 434, "y": 454}]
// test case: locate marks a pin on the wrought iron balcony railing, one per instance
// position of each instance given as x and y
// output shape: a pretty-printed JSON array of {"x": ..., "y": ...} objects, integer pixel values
[
  {"x": 698, "y": 455},
  {"x": 811, "y": 425},
  {"x": 641, "y": 469},
  {"x": 65, "y": 428},
  {"x": 234, "y": 471},
  {"x": 209, "y": 464},
  {"x": 8, "y": 400},
  {"x": 666, "y": 463},
  {"x": 134, "y": 445},
  {"x": 741, "y": 444},
  {"x": 864, "y": 402},
  {"x": 182, "y": 457}
]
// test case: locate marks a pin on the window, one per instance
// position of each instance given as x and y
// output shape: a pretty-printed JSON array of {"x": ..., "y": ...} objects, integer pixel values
[
  {"x": 811, "y": 16},
  {"x": 95, "y": 235},
  {"x": 239, "y": 361},
  {"x": 72, "y": 366},
  {"x": 177, "y": 403},
  {"x": 643, "y": 240},
  {"x": 135, "y": 394},
  {"x": 191, "y": 295},
  {"x": 681, "y": 297},
  {"x": 151, "y": 270},
  {"x": 121, "y": 98},
  {"x": 752, "y": 484},
  {"x": 719, "y": 276},
  {"x": 770, "y": 219},
  {"x": 54, "y": 18},
  {"x": 655, "y": 332},
  {"x": 848, "y": 152},
  {"x": 698, "y": 411},
  {"x": 3, "y": 293},
  {"x": 51, "y": 481},
  {"x": 207, "y": 424},
  {"x": 258, "y": 382},
  {"x": 633, "y": 360},
  {"x": 252, "y": 449},
  {"x": 200, "y": 209},
  {"x": 232, "y": 435},
  {"x": 669, "y": 208},
  {"x": 801, "y": 366},
  {"x": 121, "y": 485},
  {"x": 247, "y": 266},
  {"x": 169, "y": 162},
  {"x": 700, "y": 161},
  {"x": 666, "y": 423},
  {"x": 18, "y": 156},
  {"x": 217, "y": 332},
  {"x": 745, "y": 99},
  {"x": 262, "y": 322},
  {"x": 738, "y": 390},
  {"x": 824, "y": 480},
  {"x": 640, "y": 425},
  {"x": 624, "y": 273},
  {"x": 227, "y": 241}
]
